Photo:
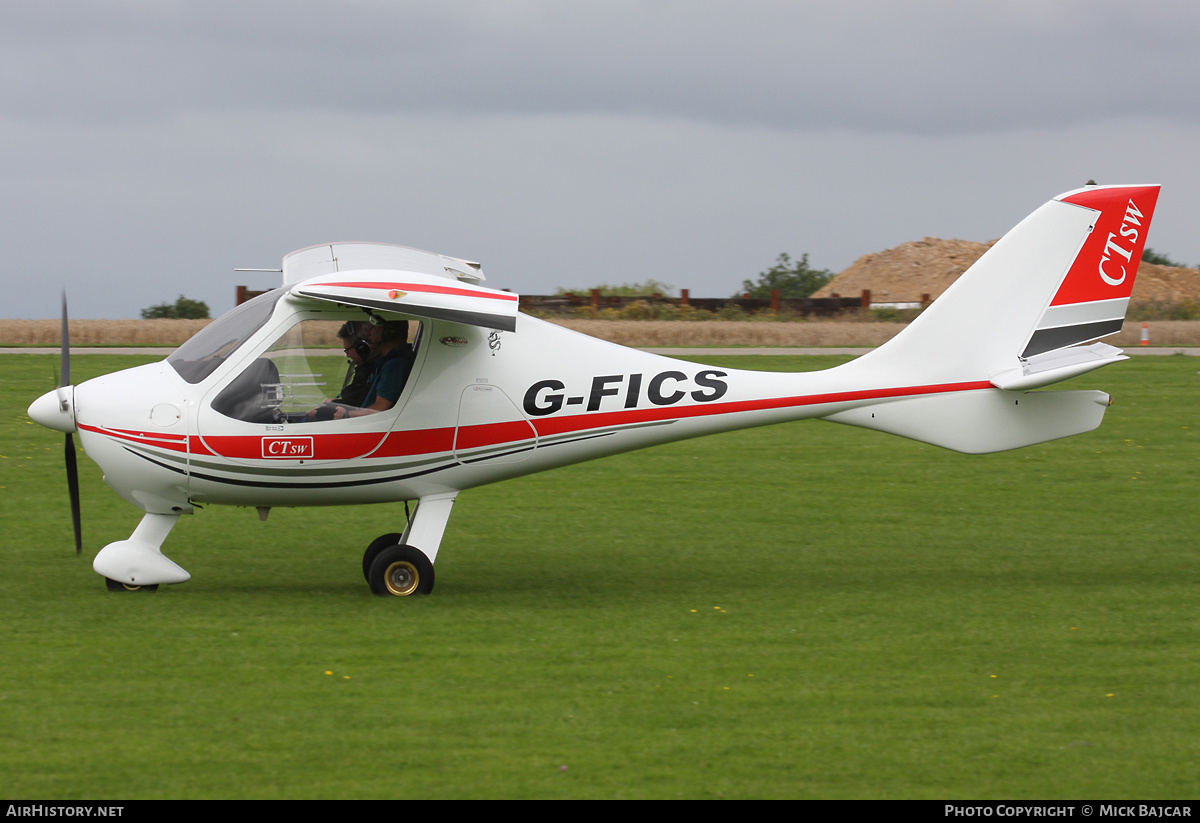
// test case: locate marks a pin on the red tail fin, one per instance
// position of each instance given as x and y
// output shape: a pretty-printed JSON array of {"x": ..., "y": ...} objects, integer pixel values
[{"x": 1091, "y": 300}]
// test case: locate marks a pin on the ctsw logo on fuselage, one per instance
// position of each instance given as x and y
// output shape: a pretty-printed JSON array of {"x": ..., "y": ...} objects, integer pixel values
[
  {"x": 663, "y": 389},
  {"x": 290, "y": 448}
]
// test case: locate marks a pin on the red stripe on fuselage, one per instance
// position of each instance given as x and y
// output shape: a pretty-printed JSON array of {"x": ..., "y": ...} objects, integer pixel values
[
  {"x": 348, "y": 446},
  {"x": 173, "y": 442},
  {"x": 341, "y": 446},
  {"x": 560, "y": 425}
]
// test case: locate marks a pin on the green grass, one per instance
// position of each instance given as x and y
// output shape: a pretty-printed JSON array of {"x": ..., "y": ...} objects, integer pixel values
[{"x": 806, "y": 610}]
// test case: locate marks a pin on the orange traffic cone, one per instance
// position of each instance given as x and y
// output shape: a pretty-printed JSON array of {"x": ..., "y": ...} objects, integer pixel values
[{"x": 1145, "y": 341}]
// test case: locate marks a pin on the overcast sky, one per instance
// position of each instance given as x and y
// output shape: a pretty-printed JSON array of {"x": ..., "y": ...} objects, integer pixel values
[{"x": 150, "y": 147}]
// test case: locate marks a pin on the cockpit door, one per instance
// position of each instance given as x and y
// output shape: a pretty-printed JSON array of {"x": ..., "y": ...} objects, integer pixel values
[{"x": 261, "y": 413}]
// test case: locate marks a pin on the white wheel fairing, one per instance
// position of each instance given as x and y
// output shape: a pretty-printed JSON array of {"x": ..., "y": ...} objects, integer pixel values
[{"x": 139, "y": 561}]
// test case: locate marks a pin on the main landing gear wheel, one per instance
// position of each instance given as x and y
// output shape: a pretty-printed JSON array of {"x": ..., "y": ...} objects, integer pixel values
[
  {"x": 118, "y": 586},
  {"x": 377, "y": 545},
  {"x": 400, "y": 571}
]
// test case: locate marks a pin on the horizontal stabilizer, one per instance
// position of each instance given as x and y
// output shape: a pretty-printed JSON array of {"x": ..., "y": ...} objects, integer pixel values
[
  {"x": 988, "y": 420},
  {"x": 1055, "y": 366}
]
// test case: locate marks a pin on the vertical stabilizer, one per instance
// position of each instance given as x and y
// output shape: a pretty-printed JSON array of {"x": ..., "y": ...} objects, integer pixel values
[
  {"x": 1090, "y": 302},
  {"x": 1061, "y": 277},
  {"x": 1014, "y": 321}
]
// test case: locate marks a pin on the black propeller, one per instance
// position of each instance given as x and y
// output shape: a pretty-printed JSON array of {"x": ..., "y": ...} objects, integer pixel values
[{"x": 69, "y": 454}]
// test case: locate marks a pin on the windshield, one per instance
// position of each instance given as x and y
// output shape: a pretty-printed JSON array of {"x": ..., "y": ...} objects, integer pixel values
[{"x": 199, "y": 357}]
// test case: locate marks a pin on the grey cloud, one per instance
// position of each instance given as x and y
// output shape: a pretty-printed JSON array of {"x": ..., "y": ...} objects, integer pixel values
[{"x": 874, "y": 66}]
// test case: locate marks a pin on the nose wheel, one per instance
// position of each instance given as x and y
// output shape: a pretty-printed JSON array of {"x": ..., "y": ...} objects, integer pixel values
[
  {"x": 398, "y": 571},
  {"x": 118, "y": 586}
]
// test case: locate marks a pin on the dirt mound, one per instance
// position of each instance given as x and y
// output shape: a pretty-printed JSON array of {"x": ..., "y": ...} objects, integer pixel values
[
  {"x": 927, "y": 267},
  {"x": 904, "y": 273},
  {"x": 1166, "y": 284}
]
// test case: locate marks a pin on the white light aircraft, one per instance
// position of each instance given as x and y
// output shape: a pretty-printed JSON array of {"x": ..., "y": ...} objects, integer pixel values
[{"x": 237, "y": 415}]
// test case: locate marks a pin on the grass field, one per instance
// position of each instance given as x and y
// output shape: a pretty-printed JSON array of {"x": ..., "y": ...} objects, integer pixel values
[{"x": 805, "y": 611}]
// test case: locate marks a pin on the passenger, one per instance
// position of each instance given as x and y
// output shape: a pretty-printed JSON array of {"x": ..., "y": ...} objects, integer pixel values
[{"x": 394, "y": 360}]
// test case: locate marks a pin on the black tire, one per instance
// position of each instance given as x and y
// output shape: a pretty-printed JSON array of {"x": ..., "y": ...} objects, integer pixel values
[
  {"x": 401, "y": 571},
  {"x": 377, "y": 545},
  {"x": 118, "y": 586}
]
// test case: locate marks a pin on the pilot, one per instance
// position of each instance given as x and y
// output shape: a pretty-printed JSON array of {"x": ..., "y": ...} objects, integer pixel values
[
  {"x": 362, "y": 364},
  {"x": 394, "y": 359},
  {"x": 357, "y": 349}
]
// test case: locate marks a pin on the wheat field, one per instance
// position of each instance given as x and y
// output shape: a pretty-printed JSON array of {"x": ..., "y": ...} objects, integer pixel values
[{"x": 640, "y": 333}]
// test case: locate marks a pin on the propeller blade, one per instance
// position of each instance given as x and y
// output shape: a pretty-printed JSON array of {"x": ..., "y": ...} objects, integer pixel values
[
  {"x": 69, "y": 453},
  {"x": 73, "y": 491},
  {"x": 65, "y": 356}
]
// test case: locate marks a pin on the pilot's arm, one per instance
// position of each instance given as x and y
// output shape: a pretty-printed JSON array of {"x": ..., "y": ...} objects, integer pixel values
[{"x": 380, "y": 404}]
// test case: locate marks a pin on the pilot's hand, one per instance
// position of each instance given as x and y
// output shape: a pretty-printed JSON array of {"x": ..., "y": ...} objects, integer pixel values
[{"x": 325, "y": 411}]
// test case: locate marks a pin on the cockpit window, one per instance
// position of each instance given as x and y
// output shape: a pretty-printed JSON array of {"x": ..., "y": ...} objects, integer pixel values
[
  {"x": 199, "y": 357},
  {"x": 309, "y": 373}
]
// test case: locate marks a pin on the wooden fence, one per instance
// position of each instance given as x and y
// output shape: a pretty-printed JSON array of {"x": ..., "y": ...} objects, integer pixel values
[{"x": 571, "y": 303}]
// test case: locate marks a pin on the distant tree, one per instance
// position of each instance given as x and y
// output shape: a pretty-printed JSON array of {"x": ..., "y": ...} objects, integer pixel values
[
  {"x": 1149, "y": 255},
  {"x": 647, "y": 289},
  {"x": 183, "y": 309},
  {"x": 793, "y": 278}
]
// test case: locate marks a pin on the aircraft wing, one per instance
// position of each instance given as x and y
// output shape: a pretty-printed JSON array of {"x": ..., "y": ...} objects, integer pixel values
[{"x": 422, "y": 295}]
